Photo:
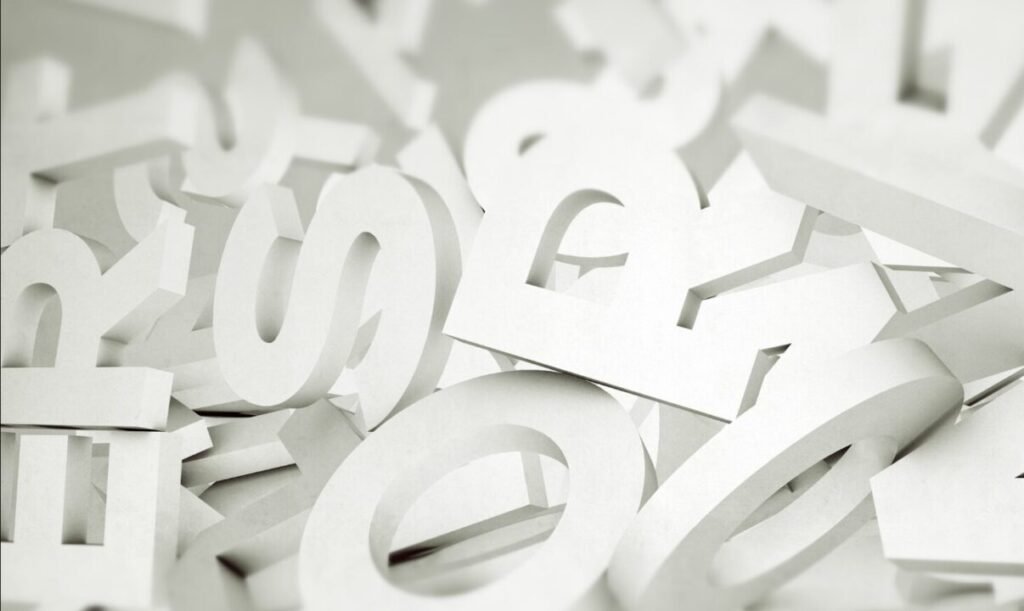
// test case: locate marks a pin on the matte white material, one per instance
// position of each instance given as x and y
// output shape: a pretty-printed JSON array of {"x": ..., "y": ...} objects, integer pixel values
[
  {"x": 99, "y": 314},
  {"x": 966, "y": 480},
  {"x": 344, "y": 549},
  {"x": 876, "y": 399},
  {"x": 130, "y": 568},
  {"x": 44, "y": 144},
  {"x": 869, "y": 177},
  {"x": 276, "y": 353},
  {"x": 407, "y": 95},
  {"x": 640, "y": 341}
]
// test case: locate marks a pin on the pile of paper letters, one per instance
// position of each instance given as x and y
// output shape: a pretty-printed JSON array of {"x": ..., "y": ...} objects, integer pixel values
[{"x": 513, "y": 304}]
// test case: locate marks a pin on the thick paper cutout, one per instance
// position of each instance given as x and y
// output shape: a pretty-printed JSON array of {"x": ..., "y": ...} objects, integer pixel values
[
  {"x": 966, "y": 480},
  {"x": 44, "y": 144},
  {"x": 129, "y": 568},
  {"x": 283, "y": 337},
  {"x": 674, "y": 263},
  {"x": 268, "y": 530},
  {"x": 345, "y": 547},
  {"x": 876, "y": 399},
  {"x": 869, "y": 177},
  {"x": 86, "y": 387}
]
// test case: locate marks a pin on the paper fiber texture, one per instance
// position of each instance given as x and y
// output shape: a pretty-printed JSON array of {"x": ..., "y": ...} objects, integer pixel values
[{"x": 512, "y": 304}]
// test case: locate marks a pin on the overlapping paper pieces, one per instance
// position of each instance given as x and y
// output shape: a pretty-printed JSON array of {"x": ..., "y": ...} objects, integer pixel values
[{"x": 591, "y": 304}]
